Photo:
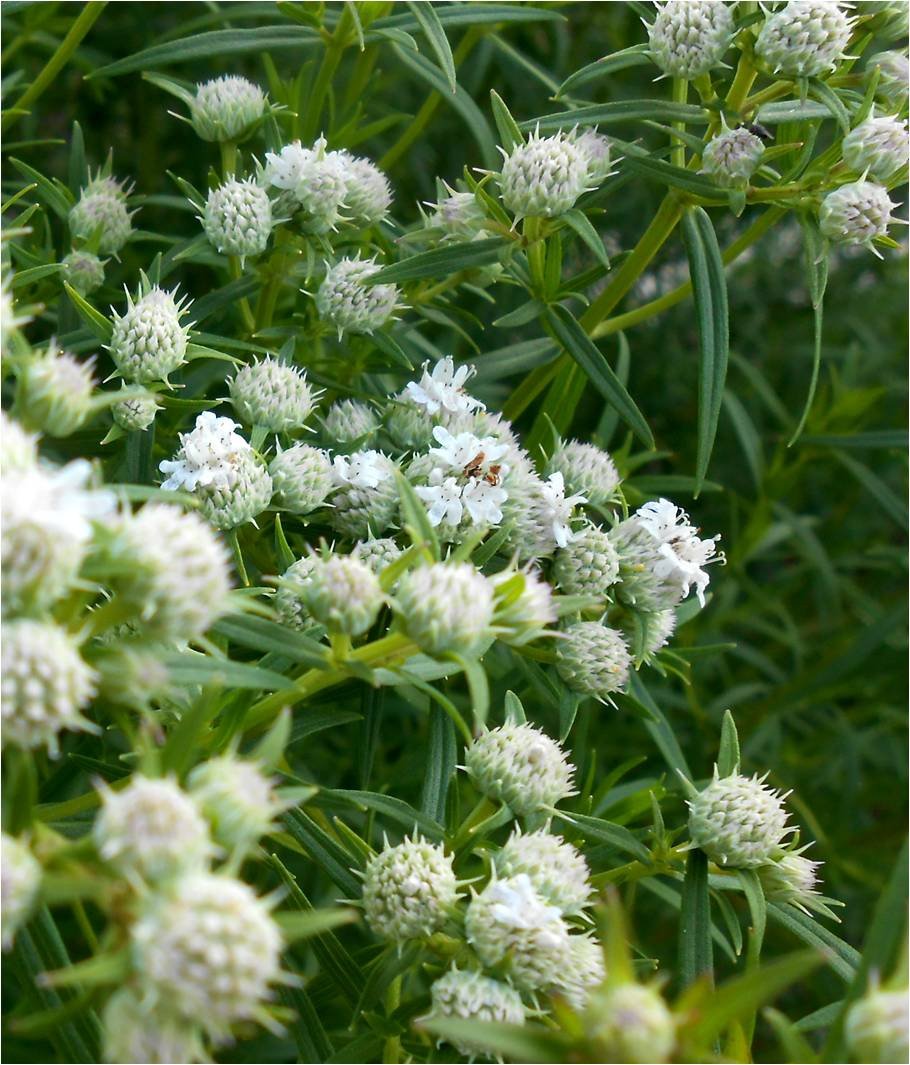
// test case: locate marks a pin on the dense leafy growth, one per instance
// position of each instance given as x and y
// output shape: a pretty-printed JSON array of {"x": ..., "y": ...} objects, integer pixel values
[{"x": 368, "y": 692}]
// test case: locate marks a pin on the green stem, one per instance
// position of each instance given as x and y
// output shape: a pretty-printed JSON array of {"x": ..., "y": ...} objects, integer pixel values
[
  {"x": 537, "y": 254},
  {"x": 238, "y": 558},
  {"x": 567, "y": 387},
  {"x": 742, "y": 82},
  {"x": 426, "y": 112},
  {"x": 57, "y": 61},
  {"x": 670, "y": 299},
  {"x": 678, "y": 147},
  {"x": 228, "y": 158},
  {"x": 652, "y": 240},
  {"x": 484, "y": 809},
  {"x": 772, "y": 92},
  {"x": 236, "y": 272},
  {"x": 391, "y": 1052},
  {"x": 335, "y": 47},
  {"x": 388, "y": 650}
]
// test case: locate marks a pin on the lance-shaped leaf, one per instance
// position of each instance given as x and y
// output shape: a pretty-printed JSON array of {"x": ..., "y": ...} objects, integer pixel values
[{"x": 709, "y": 286}]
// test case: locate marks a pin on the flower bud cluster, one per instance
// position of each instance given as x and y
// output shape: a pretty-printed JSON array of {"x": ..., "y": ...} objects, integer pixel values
[
  {"x": 100, "y": 218},
  {"x": 149, "y": 342},
  {"x": 219, "y": 466},
  {"x": 325, "y": 188}
]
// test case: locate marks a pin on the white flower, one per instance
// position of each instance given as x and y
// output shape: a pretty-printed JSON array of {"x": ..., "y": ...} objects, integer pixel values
[
  {"x": 238, "y": 218},
  {"x": 366, "y": 500},
  {"x": 148, "y": 342},
  {"x": 175, "y": 571},
  {"x": 286, "y": 169},
  {"x": 46, "y": 518},
  {"x": 136, "y": 1031},
  {"x": 543, "y": 177},
  {"x": 508, "y": 922},
  {"x": 689, "y": 37},
  {"x": 45, "y": 684},
  {"x": 20, "y": 881},
  {"x": 445, "y": 607},
  {"x": 471, "y": 996},
  {"x": 557, "y": 871},
  {"x": 443, "y": 498},
  {"x": 683, "y": 552},
  {"x": 409, "y": 890},
  {"x": 226, "y": 108},
  {"x": 344, "y": 300},
  {"x": 237, "y": 798},
  {"x": 209, "y": 456},
  {"x": 443, "y": 389},
  {"x": 738, "y": 821},
  {"x": 557, "y": 507},
  {"x": 363, "y": 469},
  {"x": 102, "y": 208},
  {"x": 272, "y": 394},
  {"x": 207, "y": 949},
  {"x": 343, "y": 594},
  {"x": 662, "y": 556},
  {"x": 520, "y": 766},
  {"x": 465, "y": 477},
  {"x": 151, "y": 829}
]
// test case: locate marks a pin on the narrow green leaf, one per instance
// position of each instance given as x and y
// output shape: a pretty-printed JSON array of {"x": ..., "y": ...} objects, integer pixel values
[
  {"x": 333, "y": 958},
  {"x": 325, "y": 851},
  {"x": 892, "y": 504},
  {"x": 840, "y": 956},
  {"x": 660, "y": 729},
  {"x": 52, "y": 192},
  {"x": 269, "y": 637},
  {"x": 471, "y": 14},
  {"x": 395, "y": 809},
  {"x": 94, "y": 319},
  {"x": 307, "y": 1030},
  {"x": 527, "y": 1042},
  {"x": 709, "y": 285},
  {"x": 607, "y": 832},
  {"x": 217, "y": 43},
  {"x": 579, "y": 345},
  {"x": 194, "y": 668},
  {"x": 815, "y": 259},
  {"x": 441, "y": 262},
  {"x": 635, "y": 56},
  {"x": 414, "y": 518},
  {"x": 296, "y": 926},
  {"x": 695, "y": 951},
  {"x": 728, "y": 755},
  {"x": 78, "y": 170},
  {"x": 39, "y": 949},
  {"x": 459, "y": 100},
  {"x": 441, "y": 758},
  {"x": 509, "y": 132},
  {"x": 579, "y": 221},
  {"x": 829, "y": 98},
  {"x": 436, "y": 36},
  {"x": 748, "y": 992},
  {"x": 618, "y": 112}
]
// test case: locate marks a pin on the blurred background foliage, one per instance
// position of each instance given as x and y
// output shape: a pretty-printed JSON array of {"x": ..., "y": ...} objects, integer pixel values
[{"x": 812, "y": 600}]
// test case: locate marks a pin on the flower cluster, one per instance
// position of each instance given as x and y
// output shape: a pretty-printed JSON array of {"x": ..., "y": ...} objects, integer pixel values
[{"x": 526, "y": 928}]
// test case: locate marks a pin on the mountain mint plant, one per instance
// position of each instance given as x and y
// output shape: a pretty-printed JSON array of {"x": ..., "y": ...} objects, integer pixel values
[{"x": 368, "y": 444}]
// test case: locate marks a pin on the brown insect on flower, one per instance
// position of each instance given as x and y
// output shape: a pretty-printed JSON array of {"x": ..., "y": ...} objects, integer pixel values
[
  {"x": 492, "y": 475},
  {"x": 475, "y": 467}
]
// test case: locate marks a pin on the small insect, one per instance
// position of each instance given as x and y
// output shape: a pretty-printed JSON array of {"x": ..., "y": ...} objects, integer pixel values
[
  {"x": 475, "y": 467},
  {"x": 492, "y": 476},
  {"x": 760, "y": 131}
]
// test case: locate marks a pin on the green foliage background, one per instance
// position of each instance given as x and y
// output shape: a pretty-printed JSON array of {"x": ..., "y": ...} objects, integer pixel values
[{"x": 812, "y": 600}]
